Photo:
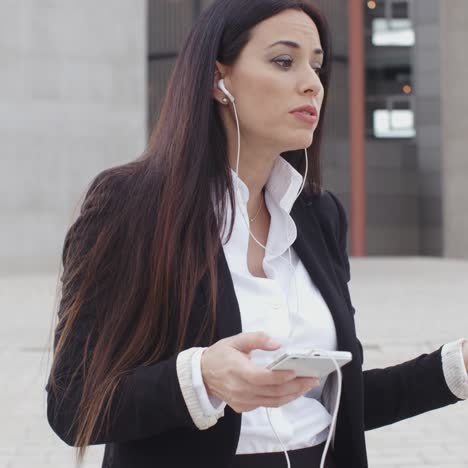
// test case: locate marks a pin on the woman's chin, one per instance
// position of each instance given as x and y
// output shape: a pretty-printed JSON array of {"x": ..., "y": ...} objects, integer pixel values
[{"x": 300, "y": 144}]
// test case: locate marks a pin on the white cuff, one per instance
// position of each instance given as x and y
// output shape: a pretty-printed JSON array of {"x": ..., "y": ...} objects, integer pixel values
[
  {"x": 454, "y": 369},
  {"x": 211, "y": 405},
  {"x": 184, "y": 374}
]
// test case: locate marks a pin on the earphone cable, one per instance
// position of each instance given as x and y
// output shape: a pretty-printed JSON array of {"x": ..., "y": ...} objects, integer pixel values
[{"x": 335, "y": 413}]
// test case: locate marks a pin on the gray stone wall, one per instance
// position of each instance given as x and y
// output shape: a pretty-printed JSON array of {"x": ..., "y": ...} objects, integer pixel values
[
  {"x": 72, "y": 102},
  {"x": 454, "y": 131},
  {"x": 426, "y": 73}
]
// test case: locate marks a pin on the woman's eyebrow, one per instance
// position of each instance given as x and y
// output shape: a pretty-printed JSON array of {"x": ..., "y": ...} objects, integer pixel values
[{"x": 294, "y": 45}]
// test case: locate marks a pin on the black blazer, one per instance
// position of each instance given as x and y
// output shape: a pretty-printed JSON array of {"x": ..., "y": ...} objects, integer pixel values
[{"x": 152, "y": 426}]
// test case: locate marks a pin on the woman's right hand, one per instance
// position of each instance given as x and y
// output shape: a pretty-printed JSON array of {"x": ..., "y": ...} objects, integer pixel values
[{"x": 229, "y": 375}]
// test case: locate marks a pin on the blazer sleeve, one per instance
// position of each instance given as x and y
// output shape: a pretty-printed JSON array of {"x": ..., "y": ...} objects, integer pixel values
[
  {"x": 404, "y": 390},
  {"x": 148, "y": 400}
]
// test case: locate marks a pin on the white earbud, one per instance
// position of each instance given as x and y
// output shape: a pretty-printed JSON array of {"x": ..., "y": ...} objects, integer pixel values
[{"x": 223, "y": 88}]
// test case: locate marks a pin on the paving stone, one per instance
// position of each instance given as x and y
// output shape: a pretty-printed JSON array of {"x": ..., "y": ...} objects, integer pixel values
[{"x": 387, "y": 322}]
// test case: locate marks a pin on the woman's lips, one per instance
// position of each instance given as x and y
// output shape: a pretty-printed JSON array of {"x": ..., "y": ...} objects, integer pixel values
[{"x": 312, "y": 119}]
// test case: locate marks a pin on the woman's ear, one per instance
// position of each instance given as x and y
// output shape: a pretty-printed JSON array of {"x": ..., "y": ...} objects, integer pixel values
[{"x": 219, "y": 73}]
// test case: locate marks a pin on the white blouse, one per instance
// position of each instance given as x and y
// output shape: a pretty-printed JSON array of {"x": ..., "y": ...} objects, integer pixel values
[{"x": 269, "y": 305}]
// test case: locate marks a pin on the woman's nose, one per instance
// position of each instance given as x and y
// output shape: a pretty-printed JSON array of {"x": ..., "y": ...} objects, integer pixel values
[{"x": 313, "y": 83}]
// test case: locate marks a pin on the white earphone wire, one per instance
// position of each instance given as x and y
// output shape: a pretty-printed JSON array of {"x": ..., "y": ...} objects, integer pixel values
[{"x": 335, "y": 412}]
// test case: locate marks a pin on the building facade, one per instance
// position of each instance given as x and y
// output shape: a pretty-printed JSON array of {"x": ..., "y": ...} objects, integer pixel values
[
  {"x": 81, "y": 86},
  {"x": 73, "y": 101},
  {"x": 412, "y": 194}
]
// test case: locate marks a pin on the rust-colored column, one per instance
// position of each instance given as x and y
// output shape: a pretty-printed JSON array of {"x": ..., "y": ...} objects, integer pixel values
[{"x": 357, "y": 128}]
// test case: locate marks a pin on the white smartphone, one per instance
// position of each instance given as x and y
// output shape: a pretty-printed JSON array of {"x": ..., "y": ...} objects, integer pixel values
[{"x": 311, "y": 364}]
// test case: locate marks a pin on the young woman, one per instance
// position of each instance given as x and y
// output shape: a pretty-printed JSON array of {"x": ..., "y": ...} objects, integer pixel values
[{"x": 183, "y": 263}]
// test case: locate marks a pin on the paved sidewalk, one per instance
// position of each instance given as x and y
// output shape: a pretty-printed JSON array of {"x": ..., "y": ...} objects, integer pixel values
[{"x": 404, "y": 307}]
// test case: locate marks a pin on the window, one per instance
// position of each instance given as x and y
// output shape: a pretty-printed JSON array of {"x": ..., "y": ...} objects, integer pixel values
[
  {"x": 392, "y": 32},
  {"x": 390, "y": 37},
  {"x": 394, "y": 123},
  {"x": 391, "y": 24}
]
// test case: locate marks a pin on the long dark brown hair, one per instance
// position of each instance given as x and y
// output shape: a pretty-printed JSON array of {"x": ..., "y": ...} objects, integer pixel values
[{"x": 147, "y": 233}]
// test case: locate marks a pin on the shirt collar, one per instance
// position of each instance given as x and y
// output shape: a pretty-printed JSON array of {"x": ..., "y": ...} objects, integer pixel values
[{"x": 282, "y": 185}]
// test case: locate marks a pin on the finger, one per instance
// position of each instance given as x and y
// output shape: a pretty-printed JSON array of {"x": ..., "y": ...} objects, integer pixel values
[
  {"x": 289, "y": 388},
  {"x": 247, "y": 342},
  {"x": 260, "y": 376}
]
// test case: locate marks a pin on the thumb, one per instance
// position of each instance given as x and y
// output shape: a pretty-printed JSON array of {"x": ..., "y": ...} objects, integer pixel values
[{"x": 249, "y": 341}]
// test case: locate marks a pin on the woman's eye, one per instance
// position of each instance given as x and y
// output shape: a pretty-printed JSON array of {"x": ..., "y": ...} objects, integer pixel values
[
  {"x": 286, "y": 64},
  {"x": 284, "y": 61}
]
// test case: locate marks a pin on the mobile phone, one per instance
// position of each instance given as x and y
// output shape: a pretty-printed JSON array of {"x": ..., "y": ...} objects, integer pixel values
[{"x": 317, "y": 363}]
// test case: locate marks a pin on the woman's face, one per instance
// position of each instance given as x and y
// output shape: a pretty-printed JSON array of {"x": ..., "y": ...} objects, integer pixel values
[{"x": 268, "y": 81}]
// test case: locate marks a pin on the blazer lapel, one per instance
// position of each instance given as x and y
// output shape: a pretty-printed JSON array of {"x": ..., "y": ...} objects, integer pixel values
[
  {"x": 313, "y": 252},
  {"x": 311, "y": 248}
]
